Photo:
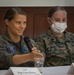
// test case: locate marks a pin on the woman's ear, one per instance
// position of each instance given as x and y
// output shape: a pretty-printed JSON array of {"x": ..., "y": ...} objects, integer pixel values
[
  {"x": 49, "y": 20},
  {"x": 7, "y": 22}
]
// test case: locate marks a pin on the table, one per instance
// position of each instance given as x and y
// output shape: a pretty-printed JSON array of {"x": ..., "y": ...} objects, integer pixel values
[
  {"x": 59, "y": 70},
  {"x": 2, "y": 72}
]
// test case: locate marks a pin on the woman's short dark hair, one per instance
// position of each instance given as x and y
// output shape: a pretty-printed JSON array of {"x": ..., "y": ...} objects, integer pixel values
[
  {"x": 12, "y": 12},
  {"x": 54, "y": 9}
]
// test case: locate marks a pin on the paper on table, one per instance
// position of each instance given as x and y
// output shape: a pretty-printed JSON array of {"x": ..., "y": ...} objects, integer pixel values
[
  {"x": 23, "y": 71},
  {"x": 71, "y": 69}
]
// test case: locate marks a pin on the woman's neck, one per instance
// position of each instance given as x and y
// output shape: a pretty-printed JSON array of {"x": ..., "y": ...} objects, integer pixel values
[
  {"x": 15, "y": 39},
  {"x": 57, "y": 34}
]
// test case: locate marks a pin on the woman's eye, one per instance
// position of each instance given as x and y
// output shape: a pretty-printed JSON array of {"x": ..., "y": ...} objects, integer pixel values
[
  {"x": 64, "y": 20},
  {"x": 24, "y": 22},
  {"x": 18, "y": 22}
]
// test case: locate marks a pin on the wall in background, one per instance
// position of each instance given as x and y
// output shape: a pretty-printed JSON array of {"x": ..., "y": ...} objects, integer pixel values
[
  {"x": 36, "y": 2},
  {"x": 37, "y": 20}
]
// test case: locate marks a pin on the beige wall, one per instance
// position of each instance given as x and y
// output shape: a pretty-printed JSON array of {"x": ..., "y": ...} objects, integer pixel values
[{"x": 36, "y": 3}]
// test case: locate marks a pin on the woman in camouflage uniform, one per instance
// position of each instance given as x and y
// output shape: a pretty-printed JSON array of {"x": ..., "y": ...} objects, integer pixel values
[
  {"x": 13, "y": 49},
  {"x": 57, "y": 43}
]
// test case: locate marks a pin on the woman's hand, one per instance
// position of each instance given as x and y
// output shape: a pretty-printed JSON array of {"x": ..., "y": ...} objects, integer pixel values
[
  {"x": 19, "y": 59},
  {"x": 35, "y": 54}
]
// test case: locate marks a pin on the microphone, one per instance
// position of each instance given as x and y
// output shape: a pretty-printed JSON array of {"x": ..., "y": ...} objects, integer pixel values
[{"x": 28, "y": 43}]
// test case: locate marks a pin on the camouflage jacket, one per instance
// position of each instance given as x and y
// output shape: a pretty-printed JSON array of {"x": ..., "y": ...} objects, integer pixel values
[
  {"x": 59, "y": 50},
  {"x": 8, "y": 49}
]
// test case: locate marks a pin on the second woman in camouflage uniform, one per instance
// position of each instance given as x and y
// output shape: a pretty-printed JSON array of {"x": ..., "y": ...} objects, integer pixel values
[{"x": 57, "y": 44}]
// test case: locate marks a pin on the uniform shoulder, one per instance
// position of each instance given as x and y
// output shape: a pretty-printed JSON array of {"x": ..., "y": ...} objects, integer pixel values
[
  {"x": 69, "y": 33},
  {"x": 1, "y": 37},
  {"x": 42, "y": 36},
  {"x": 31, "y": 40}
]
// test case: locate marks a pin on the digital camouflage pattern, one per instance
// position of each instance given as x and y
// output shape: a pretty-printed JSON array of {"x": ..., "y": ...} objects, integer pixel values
[
  {"x": 8, "y": 49},
  {"x": 59, "y": 50}
]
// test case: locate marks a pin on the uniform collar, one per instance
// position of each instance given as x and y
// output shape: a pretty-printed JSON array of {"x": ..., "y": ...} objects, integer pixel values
[
  {"x": 7, "y": 36},
  {"x": 49, "y": 33}
]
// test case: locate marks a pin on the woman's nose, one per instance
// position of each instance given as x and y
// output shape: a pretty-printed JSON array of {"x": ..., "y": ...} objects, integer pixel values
[
  {"x": 61, "y": 21},
  {"x": 21, "y": 26}
]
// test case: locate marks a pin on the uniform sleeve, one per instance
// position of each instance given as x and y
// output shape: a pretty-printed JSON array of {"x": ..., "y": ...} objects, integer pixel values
[
  {"x": 5, "y": 57},
  {"x": 33, "y": 42},
  {"x": 40, "y": 42}
]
